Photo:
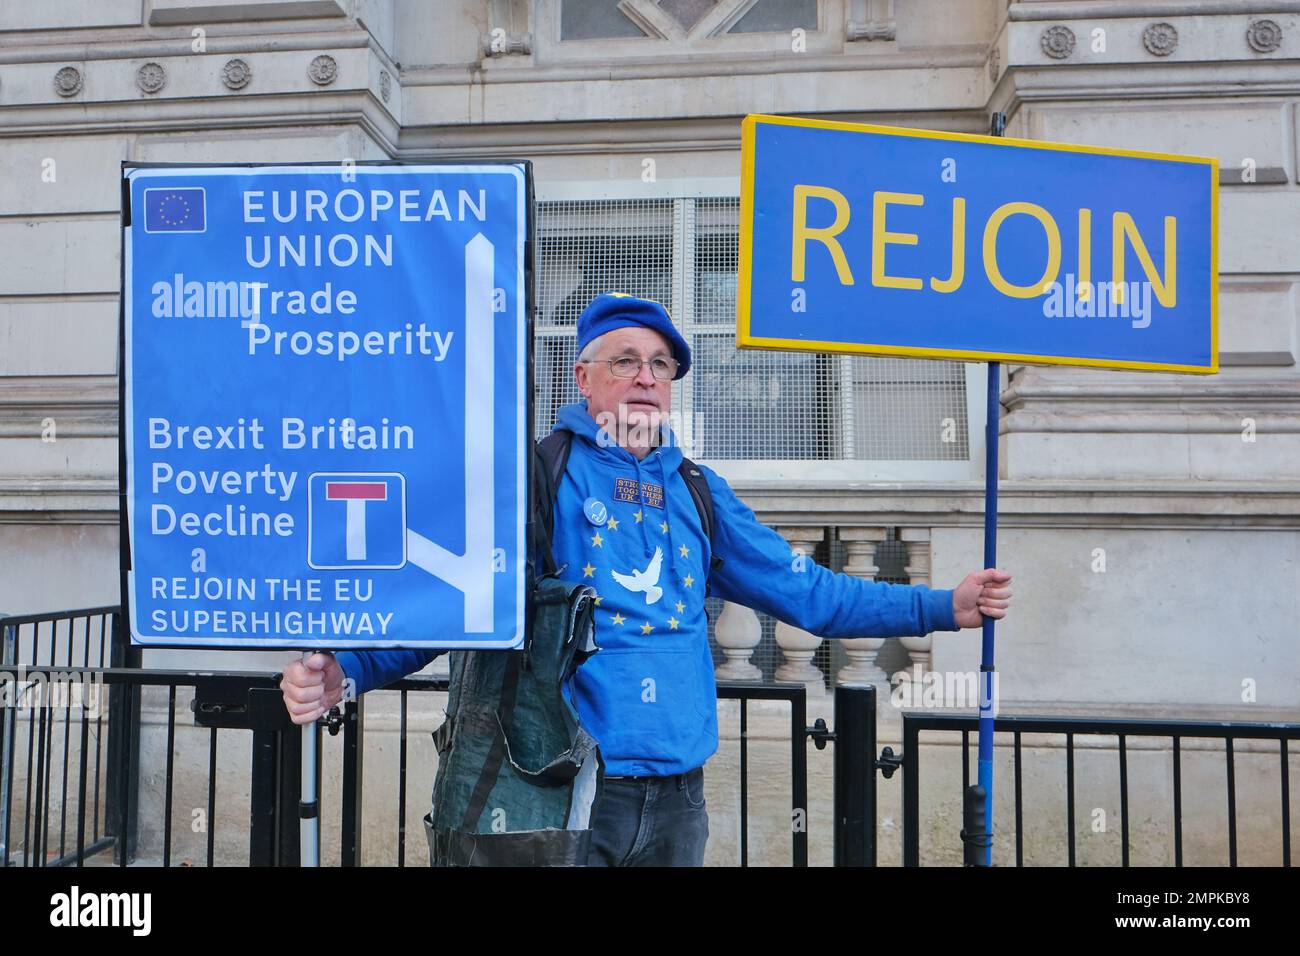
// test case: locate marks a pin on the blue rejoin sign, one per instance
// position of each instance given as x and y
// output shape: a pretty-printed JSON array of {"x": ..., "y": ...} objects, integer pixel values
[
  {"x": 324, "y": 405},
  {"x": 889, "y": 241}
]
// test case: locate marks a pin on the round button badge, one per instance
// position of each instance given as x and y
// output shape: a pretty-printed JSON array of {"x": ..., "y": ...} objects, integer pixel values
[{"x": 595, "y": 510}]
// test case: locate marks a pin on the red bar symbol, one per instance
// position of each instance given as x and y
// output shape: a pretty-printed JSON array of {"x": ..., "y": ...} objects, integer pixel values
[{"x": 354, "y": 490}]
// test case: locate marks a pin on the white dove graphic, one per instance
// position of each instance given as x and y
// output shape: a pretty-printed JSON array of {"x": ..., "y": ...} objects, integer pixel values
[{"x": 647, "y": 580}]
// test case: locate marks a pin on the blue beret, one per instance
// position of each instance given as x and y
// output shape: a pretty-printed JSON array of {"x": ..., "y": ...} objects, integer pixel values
[{"x": 618, "y": 310}]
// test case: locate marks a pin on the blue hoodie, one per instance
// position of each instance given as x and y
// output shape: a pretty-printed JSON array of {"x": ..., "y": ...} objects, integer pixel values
[{"x": 649, "y": 695}]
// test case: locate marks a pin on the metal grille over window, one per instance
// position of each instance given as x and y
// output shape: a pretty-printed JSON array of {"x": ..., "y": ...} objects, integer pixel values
[
  {"x": 735, "y": 405},
  {"x": 583, "y": 249},
  {"x": 909, "y": 409}
]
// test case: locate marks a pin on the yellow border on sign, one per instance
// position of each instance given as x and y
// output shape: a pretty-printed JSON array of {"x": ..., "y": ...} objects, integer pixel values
[{"x": 745, "y": 260}]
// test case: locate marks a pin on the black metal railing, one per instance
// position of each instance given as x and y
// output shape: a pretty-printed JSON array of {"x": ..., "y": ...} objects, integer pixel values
[
  {"x": 103, "y": 801},
  {"x": 70, "y": 771},
  {"x": 354, "y": 727},
  {"x": 797, "y": 696},
  {"x": 46, "y": 660},
  {"x": 1176, "y": 730}
]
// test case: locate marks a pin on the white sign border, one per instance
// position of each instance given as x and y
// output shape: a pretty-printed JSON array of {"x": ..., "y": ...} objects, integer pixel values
[{"x": 130, "y": 173}]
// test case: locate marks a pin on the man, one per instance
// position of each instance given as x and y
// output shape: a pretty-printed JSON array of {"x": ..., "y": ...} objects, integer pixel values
[{"x": 626, "y": 524}]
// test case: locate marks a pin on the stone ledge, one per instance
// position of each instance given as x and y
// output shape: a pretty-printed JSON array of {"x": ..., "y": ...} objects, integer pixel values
[
  {"x": 168, "y": 12},
  {"x": 1171, "y": 505},
  {"x": 150, "y": 45},
  {"x": 1093, "y": 389},
  {"x": 1148, "y": 9},
  {"x": 1050, "y": 504},
  {"x": 1156, "y": 423},
  {"x": 695, "y": 66}
]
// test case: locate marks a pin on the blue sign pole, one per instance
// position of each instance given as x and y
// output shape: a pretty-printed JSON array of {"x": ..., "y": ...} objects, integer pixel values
[
  {"x": 980, "y": 833},
  {"x": 987, "y": 673},
  {"x": 993, "y": 418}
]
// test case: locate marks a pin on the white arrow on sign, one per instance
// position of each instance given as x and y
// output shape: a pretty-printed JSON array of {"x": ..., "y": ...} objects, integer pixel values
[{"x": 471, "y": 573}]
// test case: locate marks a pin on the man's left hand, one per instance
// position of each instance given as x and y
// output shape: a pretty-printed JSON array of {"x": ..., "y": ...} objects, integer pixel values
[{"x": 982, "y": 594}]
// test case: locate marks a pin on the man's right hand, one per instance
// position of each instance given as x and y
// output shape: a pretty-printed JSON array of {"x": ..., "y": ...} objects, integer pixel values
[{"x": 312, "y": 687}]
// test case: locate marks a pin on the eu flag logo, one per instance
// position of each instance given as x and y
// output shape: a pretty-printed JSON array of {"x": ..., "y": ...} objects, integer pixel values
[{"x": 175, "y": 210}]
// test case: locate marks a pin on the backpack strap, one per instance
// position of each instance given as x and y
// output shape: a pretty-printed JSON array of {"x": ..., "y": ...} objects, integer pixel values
[
  {"x": 550, "y": 455},
  {"x": 553, "y": 450},
  {"x": 699, "y": 488}
]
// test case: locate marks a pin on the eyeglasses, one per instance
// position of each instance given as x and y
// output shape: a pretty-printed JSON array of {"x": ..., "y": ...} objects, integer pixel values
[{"x": 661, "y": 367}]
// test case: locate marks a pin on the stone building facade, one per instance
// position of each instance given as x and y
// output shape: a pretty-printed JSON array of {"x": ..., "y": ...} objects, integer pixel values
[{"x": 1152, "y": 520}]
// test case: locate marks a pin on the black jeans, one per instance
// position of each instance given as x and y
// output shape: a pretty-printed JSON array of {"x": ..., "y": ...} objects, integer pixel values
[{"x": 650, "y": 821}]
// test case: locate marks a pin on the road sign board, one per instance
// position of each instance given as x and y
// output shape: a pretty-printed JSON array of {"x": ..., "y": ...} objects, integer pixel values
[{"x": 324, "y": 405}]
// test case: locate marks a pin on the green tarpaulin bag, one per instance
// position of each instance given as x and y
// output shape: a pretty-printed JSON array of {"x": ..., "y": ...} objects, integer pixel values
[{"x": 518, "y": 775}]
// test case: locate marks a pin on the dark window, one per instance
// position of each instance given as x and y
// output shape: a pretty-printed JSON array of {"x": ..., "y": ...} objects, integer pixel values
[{"x": 595, "y": 20}]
